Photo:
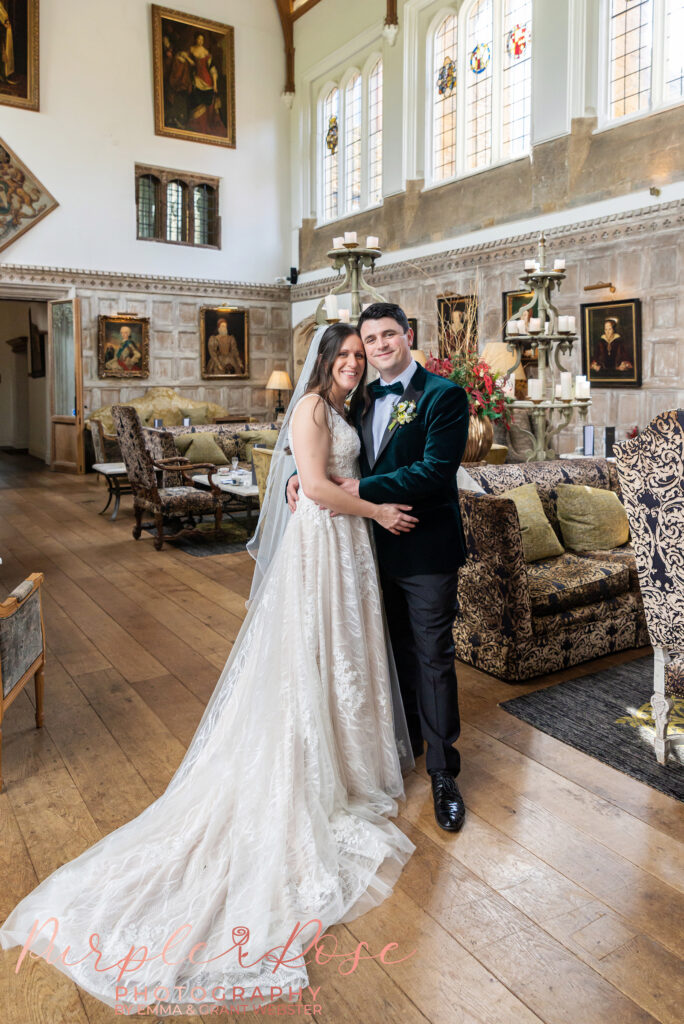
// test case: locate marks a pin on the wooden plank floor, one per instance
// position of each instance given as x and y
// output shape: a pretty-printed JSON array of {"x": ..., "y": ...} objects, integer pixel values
[{"x": 559, "y": 902}]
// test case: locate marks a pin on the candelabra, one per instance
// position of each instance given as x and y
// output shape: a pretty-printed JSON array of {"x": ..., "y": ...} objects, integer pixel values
[
  {"x": 552, "y": 404},
  {"x": 354, "y": 259}
]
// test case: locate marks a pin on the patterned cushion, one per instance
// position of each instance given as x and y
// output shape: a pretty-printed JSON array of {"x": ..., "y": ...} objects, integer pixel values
[
  {"x": 674, "y": 676},
  {"x": 246, "y": 440},
  {"x": 557, "y": 584},
  {"x": 626, "y": 605},
  {"x": 538, "y": 537},
  {"x": 591, "y": 518},
  {"x": 624, "y": 555},
  {"x": 186, "y": 499}
]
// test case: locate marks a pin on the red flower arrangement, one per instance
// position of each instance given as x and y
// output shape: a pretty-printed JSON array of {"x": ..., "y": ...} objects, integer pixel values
[{"x": 485, "y": 393}]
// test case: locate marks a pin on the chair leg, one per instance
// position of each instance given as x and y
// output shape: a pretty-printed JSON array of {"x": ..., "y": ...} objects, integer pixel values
[
  {"x": 39, "y": 681},
  {"x": 137, "y": 529},
  {"x": 661, "y": 705},
  {"x": 117, "y": 498},
  {"x": 109, "y": 497},
  {"x": 159, "y": 523},
  {"x": 217, "y": 520}
]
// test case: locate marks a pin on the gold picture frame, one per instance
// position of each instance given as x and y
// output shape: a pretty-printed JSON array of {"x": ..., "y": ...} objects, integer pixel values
[
  {"x": 19, "y": 55},
  {"x": 194, "y": 78},
  {"x": 224, "y": 343},
  {"x": 24, "y": 200},
  {"x": 123, "y": 356}
]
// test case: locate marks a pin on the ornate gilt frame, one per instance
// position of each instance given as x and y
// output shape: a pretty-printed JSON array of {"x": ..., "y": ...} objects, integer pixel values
[
  {"x": 52, "y": 203},
  {"x": 123, "y": 318},
  {"x": 32, "y": 101},
  {"x": 199, "y": 23},
  {"x": 203, "y": 331}
]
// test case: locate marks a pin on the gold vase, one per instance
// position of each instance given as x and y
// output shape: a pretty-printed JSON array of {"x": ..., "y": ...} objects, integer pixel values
[{"x": 480, "y": 438}]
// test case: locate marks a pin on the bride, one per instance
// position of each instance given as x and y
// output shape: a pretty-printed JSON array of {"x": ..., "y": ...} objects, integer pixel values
[{"x": 276, "y": 823}]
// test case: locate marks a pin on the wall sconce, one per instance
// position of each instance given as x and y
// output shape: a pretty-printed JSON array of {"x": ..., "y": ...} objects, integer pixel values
[
  {"x": 654, "y": 190},
  {"x": 599, "y": 284}
]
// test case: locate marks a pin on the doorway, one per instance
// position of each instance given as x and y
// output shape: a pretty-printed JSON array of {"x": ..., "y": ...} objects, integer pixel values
[{"x": 23, "y": 378}]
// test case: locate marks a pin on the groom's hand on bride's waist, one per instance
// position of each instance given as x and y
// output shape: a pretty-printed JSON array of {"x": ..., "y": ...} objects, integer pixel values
[
  {"x": 347, "y": 484},
  {"x": 292, "y": 494}
]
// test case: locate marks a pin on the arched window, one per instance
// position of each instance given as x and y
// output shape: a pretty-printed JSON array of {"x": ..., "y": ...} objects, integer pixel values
[
  {"x": 148, "y": 206},
  {"x": 375, "y": 134},
  {"x": 204, "y": 215},
  {"x": 352, "y": 145},
  {"x": 481, "y": 90},
  {"x": 176, "y": 212},
  {"x": 645, "y": 65},
  {"x": 444, "y": 79},
  {"x": 331, "y": 139}
]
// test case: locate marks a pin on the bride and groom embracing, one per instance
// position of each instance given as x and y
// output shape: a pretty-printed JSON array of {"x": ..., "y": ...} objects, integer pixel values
[{"x": 276, "y": 823}]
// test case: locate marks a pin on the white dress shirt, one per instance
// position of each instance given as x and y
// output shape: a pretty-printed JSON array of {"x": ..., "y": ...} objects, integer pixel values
[{"x": 382, "y": 407}]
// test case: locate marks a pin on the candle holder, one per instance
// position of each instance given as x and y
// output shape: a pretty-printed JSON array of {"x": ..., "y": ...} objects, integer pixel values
[
  {"x": 351, "y": 245},
  {"x": 353, "y": 259},
  {"x": 550, "y": 414}
]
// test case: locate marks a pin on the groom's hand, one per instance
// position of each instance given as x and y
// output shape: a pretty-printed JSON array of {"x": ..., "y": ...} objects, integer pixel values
[
  {"x": 291, "y": 492},
  {"x": 348, "y": 484}
]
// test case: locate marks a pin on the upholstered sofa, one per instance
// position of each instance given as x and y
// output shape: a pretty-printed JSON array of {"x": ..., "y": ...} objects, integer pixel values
[
  {"x": 517, "y": 620},
  {"x": 161, "y": 444},
  {"x": 156, "y": 402}
]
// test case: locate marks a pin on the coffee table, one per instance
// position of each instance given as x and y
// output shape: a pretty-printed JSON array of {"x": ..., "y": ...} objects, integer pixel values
[{"x": 241, "y": 497}]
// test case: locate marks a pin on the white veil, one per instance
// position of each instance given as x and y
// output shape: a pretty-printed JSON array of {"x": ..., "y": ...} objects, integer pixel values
[{"x": 273, "y": 519}]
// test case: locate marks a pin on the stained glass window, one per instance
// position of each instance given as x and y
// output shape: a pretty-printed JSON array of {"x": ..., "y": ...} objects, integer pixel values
[
  {"x": 674, "y": 49},
  {"x": 479, "y": 67},
  {"x": 352, "y": 145},
  {"x": 176, "y": 212},
  {"x": 517, "y": 77},
  {"x": 331, "y": 154},
  {"x": 444, "y": 110},
  {"x": 631, "y": 46},
  {"x": 375, "y": 134}
]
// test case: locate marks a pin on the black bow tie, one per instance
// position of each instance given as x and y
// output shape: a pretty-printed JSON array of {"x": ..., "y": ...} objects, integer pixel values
[{"x": 379, "y": 390}]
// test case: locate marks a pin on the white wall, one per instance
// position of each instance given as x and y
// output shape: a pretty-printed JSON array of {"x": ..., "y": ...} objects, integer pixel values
[{"x": 96, "y": 121}]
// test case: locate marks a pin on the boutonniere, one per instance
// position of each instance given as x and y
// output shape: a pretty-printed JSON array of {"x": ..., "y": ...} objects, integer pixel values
[{"x": 403, "y": 412}]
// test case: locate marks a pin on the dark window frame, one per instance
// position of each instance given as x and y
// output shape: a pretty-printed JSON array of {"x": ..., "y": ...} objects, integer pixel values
[{"x": 164, "y": 176}]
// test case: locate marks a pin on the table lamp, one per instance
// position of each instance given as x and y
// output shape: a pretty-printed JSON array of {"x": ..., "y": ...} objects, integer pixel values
[
  {"x": 500, "y": 359},
  {"x": 279, "y": 381},
  {"x": 419, "y": 356}
]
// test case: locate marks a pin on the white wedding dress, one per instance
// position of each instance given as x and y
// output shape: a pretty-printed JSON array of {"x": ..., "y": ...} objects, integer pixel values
[{"x": 278, "y": 812}]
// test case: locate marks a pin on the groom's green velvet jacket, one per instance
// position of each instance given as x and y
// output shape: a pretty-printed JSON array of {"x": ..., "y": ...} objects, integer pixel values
[{"x": 416, "y": 465}]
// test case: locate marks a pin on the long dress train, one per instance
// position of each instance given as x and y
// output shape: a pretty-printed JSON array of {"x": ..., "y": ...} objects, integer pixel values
[{"x": 277, "y": 814}]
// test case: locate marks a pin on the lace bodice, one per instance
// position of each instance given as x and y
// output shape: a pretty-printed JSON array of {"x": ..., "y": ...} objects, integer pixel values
[{"x": 345, "y": 444}]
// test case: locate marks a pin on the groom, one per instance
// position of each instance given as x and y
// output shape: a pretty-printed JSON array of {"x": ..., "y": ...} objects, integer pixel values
[{"x": 412, "y": 440}]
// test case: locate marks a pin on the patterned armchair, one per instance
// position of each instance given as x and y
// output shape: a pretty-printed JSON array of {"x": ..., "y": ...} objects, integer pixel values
[
  {"x": 651, "y": 472},
  {"x": 261, "y": 458},
  {"x": 183, "y": 502},
  {"x": 517, "y": 620},
  {"x": 22, "y": 647}
]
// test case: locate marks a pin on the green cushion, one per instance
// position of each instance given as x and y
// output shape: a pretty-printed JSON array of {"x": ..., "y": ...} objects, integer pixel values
[
  {"x": 199, "y": 414},
  {"x": 538, "y": 535},
  {"x": 591, "y": 518},
  {"x": 248, "y": 438},
  {"x": 201, "y": 447},
  {"x": 171, "y": 417}
]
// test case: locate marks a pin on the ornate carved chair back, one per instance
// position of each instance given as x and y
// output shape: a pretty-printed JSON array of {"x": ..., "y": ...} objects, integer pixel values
[
  {"x": 262, "y": 464},
  {"x": 97, "y": 434},
  {"x": 139, "y": 465},
  {"x": 651, "y": 471}
]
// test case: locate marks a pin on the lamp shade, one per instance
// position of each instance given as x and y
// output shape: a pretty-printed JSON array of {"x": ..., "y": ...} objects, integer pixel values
[
  {"x": 418, "y": 355},
  {"x": 499, "y": 357},
  {"x": 279, "y": 381}
]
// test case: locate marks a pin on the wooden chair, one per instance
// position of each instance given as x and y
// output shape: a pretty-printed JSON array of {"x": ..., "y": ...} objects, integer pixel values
[
  {"x": 185, "y": 503},
  {"x": 262, "y": 464},
  {"x": 651, "y": 472},
  {"x": 22, "y": 646}
]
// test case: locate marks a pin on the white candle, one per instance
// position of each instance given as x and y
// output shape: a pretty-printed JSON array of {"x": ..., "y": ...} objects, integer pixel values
[
  {"x": 571, "y": 324},
  {"x": 534, "y": 389},
  {"x": 512, "y": 327},
  {"x": 535, "y": 325},
  {"x": 530, "y": 265},
  {"x": 558, "y": 391},
  {"x": 338, "y": 242},
  {"x": 331, "y": 307},
  {"x": 559, "y": 264},
  {"x": 563, "y": 325},
  {"x": 349, "y": 237},
  {"x": 372, "y": 242},
  {"x": 580, "y": 379},
  {"x": 344, "y": 316},
  {"x": 582, "y": 389},
  {"x": 547, "y": 327},
  {"x": 566, "y": 385}
]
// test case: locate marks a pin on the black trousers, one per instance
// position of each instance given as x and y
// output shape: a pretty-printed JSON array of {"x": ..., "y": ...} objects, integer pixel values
[{"x": 420, "y": 614}]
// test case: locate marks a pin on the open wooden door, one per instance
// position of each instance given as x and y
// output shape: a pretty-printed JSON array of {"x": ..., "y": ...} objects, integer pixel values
[{"x": 66, "y": 386}]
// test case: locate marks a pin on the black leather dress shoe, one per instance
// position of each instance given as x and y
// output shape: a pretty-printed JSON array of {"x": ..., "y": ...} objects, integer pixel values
[{"x": 449, "y": 806}]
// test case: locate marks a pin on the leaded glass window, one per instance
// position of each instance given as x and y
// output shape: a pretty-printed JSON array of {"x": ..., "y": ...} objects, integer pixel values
[
  {"x": 148, "y": 206},
  {"x": 631, "y": 54},
  {"x": 375, "y": 134},
  {"x": 176, "y": 211},
  {"x": 205, "y": 214},
  {"x": 331, "y": 153},
  {"x": 517, "y": 77},
  {"x": 445, "y": 95},
  {"x": 352, "y": 145},
  {"x": 674, "y": 50},
  {"x": 479, "y": 67}
]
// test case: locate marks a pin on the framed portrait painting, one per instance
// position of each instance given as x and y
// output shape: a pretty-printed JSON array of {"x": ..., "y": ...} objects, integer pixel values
[
  {"x": 23, "y": 199},
  {"x": 224, "y": 342},
  {"x": 413, "y": 324},
  {"x": 19, "y": 53},
  {"x": 456, "y": 322},
  {"x": 512, "y": 303},
  {"x": 123, "y": 348},
  {"x": 194, "y": 78},
  {"x": 611, "y": 343}
]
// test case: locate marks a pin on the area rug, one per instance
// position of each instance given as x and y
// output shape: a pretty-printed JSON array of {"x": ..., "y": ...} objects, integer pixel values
[
  {"x": 608, "y": 716},
  {"x": 234, "y": 538}
]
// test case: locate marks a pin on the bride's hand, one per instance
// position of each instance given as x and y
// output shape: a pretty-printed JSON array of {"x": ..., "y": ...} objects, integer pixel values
[{"x": 394, "y": 518}]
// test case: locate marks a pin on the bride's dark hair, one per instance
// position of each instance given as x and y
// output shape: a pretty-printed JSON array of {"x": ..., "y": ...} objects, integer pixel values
[{"x": 321, "y": 379}]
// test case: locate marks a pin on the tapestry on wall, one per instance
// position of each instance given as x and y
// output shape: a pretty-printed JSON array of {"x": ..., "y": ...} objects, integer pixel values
[
  {"x": 224, "y": 342},
  {"x": 19, "y": 53},
  {"x": 611, "y": 343},
  {"x": 194, "y": 78},
  {"x": 23, "y": 199}
]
